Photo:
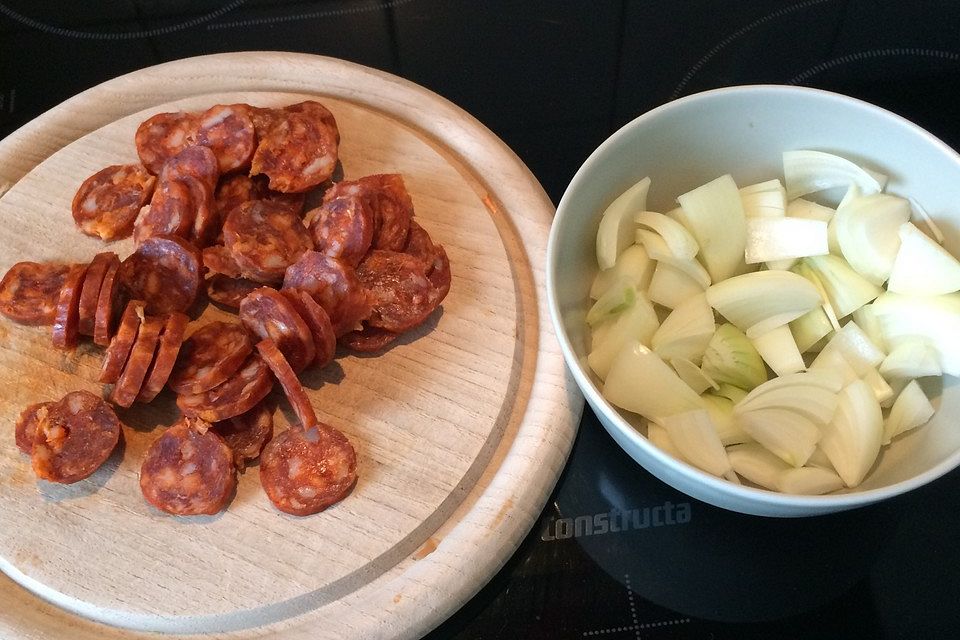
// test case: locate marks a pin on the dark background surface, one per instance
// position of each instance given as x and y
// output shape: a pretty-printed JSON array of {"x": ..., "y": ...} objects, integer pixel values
[{"x": 553, "y": 79}]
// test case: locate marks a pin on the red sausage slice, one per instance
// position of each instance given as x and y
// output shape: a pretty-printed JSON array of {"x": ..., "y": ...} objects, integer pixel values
[
  {"x": 172, "y": 211},
  {"x": 288, "y": 380},
  {"x": 247, "y": 434},
  {"x": 368, "y": 340},
  {"x": 74, "y": 438},
  {"x": 165, "y": 272},
  {"x": 218, "y": 259},
  {"x": 324, "y": 338},
  {"x": 108, "y": 202},
  {"x": 104, "y": 316},
  {"x": 135, "y": 370},
  {"x": 29, "y": 292},
  {"x": 188, "y": 470},
  {"x": 25, "y": 430},
  {"x": 228, "y": 131},
  {"x": 420, "y": 244},
  {"x": 121, "y": 344},
  {"x": 392, "y": 209},
  {"x": 228, "y": 291},
  {"x": 304, "y": 472},
  {"x": 209, "y": 357},
  {"x": 67, "y": 320},
  {"x": 237, "y": 395},
  {"x": 264, "y": 239},
  {"x": 90, "y": 291},
  {"x": 267, "y": 313},
  {"x": 163, "y": 136},
  {"x": 342, "y": 227},
  {"x": 300, "y": 149},
  {"x": 335, "y": 286},
  {"x": 403, "y": 295},
  {"x": 168, "y": 347}
]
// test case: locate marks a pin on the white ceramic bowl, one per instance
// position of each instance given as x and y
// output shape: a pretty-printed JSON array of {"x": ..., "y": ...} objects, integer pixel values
[{"x": 743, "y": 131}]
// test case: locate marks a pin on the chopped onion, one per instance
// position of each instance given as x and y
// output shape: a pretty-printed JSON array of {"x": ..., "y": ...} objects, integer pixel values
[
  {"x": 751, "y": 298},
  {"x": 686, "y": 332},
  {"x": 911, "y": 357},
  {"x": 756, "y": 464},
  {"x": 834, "y": 362},
  {"x": 658, "y": 250},
  {"x": 808, "y": 210},
  {"x": 639, "y": 381},
  {"x": 694, "y": 434},
  {"x": 808, "y": 481},
  {"x": 823, "y": 379},
  {"x": 812, "y": 171},
  {"x": 670, "y": 286},
  {"x": 867, "y": 233},
  {"x": 633, "y": 263},
  {"x": 721, "y": 411},
  {"x": 813, "y": 402},
  {"x": 803, "y": 269},
  {"x": 764, "y": 199},
  {"x": 922, "y": 267},
  {"x": 856, "y": 347},
  {"x": 936, "y": 318},
  {"x": 691, "y": 374},
  {"x": 927, "y": 220},
  {"x": 779, "y": 350},
  {"x": 846, "y": 289},
  {"x": 713, "y": 213},
  {"x": 661, "y": 439},
  {"x": 810, "y": 328},
  {"x": 675, "y": 235},
  {"x": 617, "y": 298},
  {"x": 852, "y": 439},
  {"x": 911, "y": 409},
  {"x": 638, "y": 322},
  {"x": 616, "y": 231},
  {"x": 731, "y": 358},
  {"x": 866, "y": 319},
  {"x": 787, "y": 434},
  {"x": 882, "y": 390},
  {"x": 784, "y": 238},
  {"x": 732, "y": 393}
]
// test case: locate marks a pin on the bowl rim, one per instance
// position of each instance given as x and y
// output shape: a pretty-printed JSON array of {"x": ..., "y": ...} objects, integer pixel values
[{"x": 743, "y": 493}]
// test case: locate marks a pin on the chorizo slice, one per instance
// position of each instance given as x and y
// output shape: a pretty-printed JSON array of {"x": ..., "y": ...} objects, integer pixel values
[
  {"x": 168, "y": 348},
  {"x": 247, "y": 434},
  {"x": 165, "y": 272},
  {"x": 420, "y": 244},
  {"x": 218, "y": 259},
  {"x": 209, "y": 357},
  {"x": 403, "y": 295},
  {"x": 342, "y": 227},
  {"x": 171, "y": 212},
  {"x": 134, "y": 372},
  {"x": 163, "y": 136},
  {"x": 25, "y": 430},
  {"x": 324, "y": 338},
  {"x": 74, "y": 438},
  {"x": 292, "y": 388},
  {"x": 66, "y": 323},
  {"x": 107, "y": 203},
  {"x": 306, "y": 471},
  {"x": 90, "y": 291},
  {"x": 232, "y": 191},
  {"x": 106, "y": 298},
  {"x": 188, "y": 470},
  {"x": 194, "y": 161},
  {"x": 228, "y": 130},
  {"x": 335, "y": 286},
  {"x": 206, "y": 225},
  {"x": 237, "y": 395},
  {"x": 368, "y": 340},
  {"x": 229, "y": 292},
  {"x": 29, "y": 291},
  {"x": 116, "y": 354},
  {"x": 300, "y": 149},
  {"x": 267, "y": 313},
  {"x": 264, "y": 239},
  {"x": 392, "y": 209}
]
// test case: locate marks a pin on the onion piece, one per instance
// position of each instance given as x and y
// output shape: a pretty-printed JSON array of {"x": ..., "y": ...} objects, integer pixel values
[
  {"x": 779, "y": 350},
  {"x": 731, "y": 358},
  {"x": 911, "y": 409},
  {"x": 922, "y": 267},
  {"x": 856, "y": 347},
  {"x": 616, "y": 224},
  {"x": 658, "y": 250},
  {"x": 751, "y": 298},
  {"x": 813, "y": 402},
  {"x": 633, "y": 263},
  {"x": 810, "y": 328},
  {"x": 822, "y": 379},
  {"x": 638, "y": 322},
  {"x": 852, "y": 439},
  {"x": 835, "y": 363},
  {"x": 713, "y": 213},
  {"x": 918, "y": 209},
  {"x": 695, "y": 435},
  {"x": 846, "y": 289},
  {"x": 692, "y": 375},
  {"x": 867, "y": 233},
  {"x": 764, "y": 199},
  {"x": 675, "y": 235},
  {"x": 936, "y": 318},
  {"x": 670, "y": 286},
  {"x": 819, "y": 459},
  {"x": 618, "y": 297},
  {"x": 756, "y": 464},
  {"x": 639, "y": 381},
  {"x": 787, "y": 434},
  {"x": 808, "y": 481},
  {"x": 804, "y": 270},
  {"x": 784, "y": 238},
  {"x": 866, "y": 319},
  {"x": 659, "y": 436},
  {"x": 808, "y": 210},
  {"x": 882, "y": 390},
  {"x": 911, "y": 357},
  {"x": 732, "y": 393},
  {"x": 721, "y": 411},
  {"x": 806, "y": 171},
  {"x": 686, "y": 332}
]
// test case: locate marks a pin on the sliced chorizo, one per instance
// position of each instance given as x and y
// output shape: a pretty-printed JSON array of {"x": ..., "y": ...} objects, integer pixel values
[
  {"x": 237, "y": 395},
  {"x": 368, "y": 340},
  {"x": 247, "y": 434},
  {"x": 324, "y": 338},
  {"x": 229, "y": 292},
  {"x": 267, "y": 313},
  {"x": 66, "y": 323},
  {"x": 342, "y": 227},
  {"x": 107, "y": 203},
  {"x": 29, "y": 291},
  {"x": 335, "y": 286},
  {"x": 264, "y": 239},
  {"x": 90, "y": 291},
  {"x": 171, "y": 212},
  {"x": 306, "y": 471},
  {"x": 218, "y": 259},
  {"x": 120, "y": 345},
  {"x": 168, "y": 348},
  {"x": 188, "y": 470},
  {"x": 106, "y": 301},
  {"x": 392, "y": 209},
  {"x": 420, "y": 244},
  {"x": 299, "y": 149},
  {"x": 74, "y": 438},
  {"x": 134, "y": 372},
  {"x": 403, "y": 295},
  {"x": 209, "y": 357},
  {"x": 228, "y": 130},
  {"x": 165, "y": 272},
  {"x": 288, "y": 380},
  {"x": 163, "y": 136},
  {"x": 25, "y": 430}
]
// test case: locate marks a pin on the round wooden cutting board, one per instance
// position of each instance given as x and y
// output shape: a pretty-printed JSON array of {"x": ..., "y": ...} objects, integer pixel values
[{"x": 461, "y": 428}]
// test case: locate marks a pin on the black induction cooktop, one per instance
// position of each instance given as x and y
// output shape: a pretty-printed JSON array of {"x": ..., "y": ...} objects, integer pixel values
[{"x": 616, "y": 554}]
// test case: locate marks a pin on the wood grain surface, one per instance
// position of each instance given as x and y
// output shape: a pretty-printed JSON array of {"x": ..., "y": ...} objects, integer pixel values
[{"x": 461, "y": 428}]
